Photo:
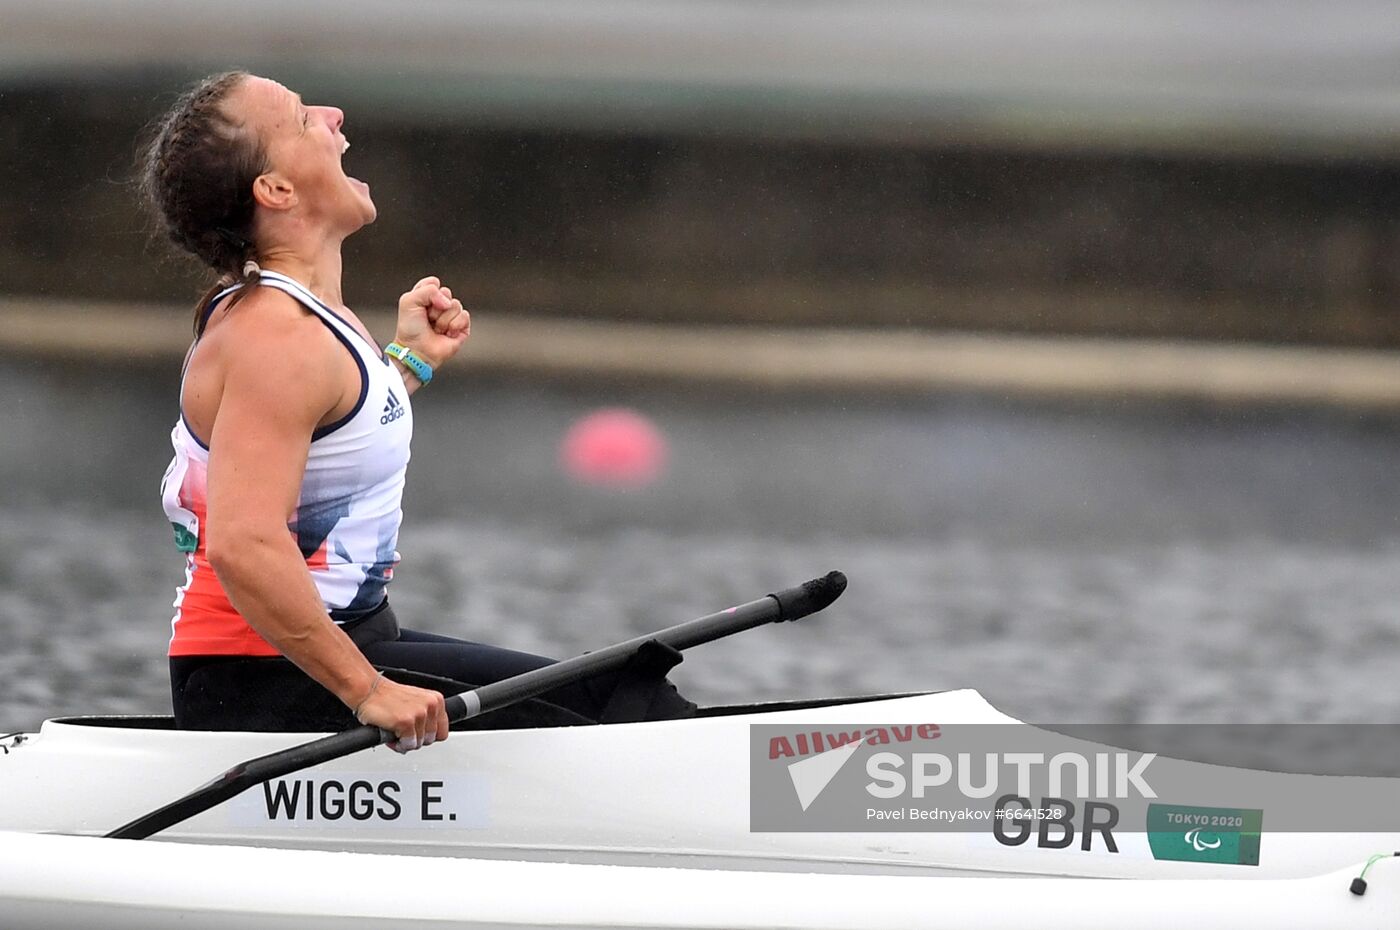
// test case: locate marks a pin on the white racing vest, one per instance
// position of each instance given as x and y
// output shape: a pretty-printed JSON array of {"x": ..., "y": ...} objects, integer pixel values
[{"x": 348, "y": 513}]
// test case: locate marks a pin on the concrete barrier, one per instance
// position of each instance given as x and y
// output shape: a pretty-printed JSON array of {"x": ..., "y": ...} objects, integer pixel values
[{"x": 881, "y": 360}]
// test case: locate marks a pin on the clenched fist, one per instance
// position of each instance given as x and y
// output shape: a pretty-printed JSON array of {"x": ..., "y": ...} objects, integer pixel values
[{"x": 432, "y": 322}]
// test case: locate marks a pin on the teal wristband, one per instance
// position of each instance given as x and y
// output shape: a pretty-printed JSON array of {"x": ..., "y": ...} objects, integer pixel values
[{"x": 412, "y": 360}]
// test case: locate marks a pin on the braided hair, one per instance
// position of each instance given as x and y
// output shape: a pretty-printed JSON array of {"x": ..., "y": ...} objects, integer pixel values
[{"x": 196, "y": 177}]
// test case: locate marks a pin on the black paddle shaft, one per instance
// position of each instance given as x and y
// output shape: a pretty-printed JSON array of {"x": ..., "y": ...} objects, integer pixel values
[{"x": 792, "y": 604}]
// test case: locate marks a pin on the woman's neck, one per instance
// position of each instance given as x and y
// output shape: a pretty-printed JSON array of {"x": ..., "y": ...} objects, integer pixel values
[{"x": 319, "y": 273}]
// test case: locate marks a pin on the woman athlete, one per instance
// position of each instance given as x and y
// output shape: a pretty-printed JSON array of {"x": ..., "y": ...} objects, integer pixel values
[{"x": 293, "y": 441}]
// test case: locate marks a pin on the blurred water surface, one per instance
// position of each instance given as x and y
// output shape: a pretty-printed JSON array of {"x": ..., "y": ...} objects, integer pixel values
[{"x": 1107, "y": 564}]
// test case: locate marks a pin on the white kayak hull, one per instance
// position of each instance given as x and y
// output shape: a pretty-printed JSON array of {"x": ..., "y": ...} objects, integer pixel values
[
  {"x": 669, "y": 793},
  {"x": 61, "y": 882}
]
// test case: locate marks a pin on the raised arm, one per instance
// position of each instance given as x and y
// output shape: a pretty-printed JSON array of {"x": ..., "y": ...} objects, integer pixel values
[{"x": 433, "y": 324}]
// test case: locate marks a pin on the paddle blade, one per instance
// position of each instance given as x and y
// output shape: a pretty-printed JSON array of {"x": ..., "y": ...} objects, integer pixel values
[
  {"x": 814, "y": 595},
  {"x": 245, "y": 775}
]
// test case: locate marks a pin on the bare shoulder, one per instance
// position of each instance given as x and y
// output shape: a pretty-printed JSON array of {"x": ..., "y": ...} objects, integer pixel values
[
  {"x": 269, "y": 344},
  {"x": 265, "y": 315}
]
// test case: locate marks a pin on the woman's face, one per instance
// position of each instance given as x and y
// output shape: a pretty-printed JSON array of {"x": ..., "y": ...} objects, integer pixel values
[{"x": 304, "y": 146}]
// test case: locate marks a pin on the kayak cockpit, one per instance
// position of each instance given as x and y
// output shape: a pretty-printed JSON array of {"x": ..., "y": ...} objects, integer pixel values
[
  {"x": 768, "y": 707},
  {"x": 159, "y": 722}
]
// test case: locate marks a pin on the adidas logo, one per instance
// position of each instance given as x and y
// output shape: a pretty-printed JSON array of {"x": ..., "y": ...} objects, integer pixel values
[{"x": 392, "y": 410}]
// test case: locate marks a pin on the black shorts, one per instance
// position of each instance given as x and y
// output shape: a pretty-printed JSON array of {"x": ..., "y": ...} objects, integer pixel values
[{"x": 272, "y": 694}]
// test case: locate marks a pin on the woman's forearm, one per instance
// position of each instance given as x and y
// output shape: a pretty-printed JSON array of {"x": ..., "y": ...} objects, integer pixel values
[
  {"x": 268, "y": 583},
  {"x": 410, "y": 380}
]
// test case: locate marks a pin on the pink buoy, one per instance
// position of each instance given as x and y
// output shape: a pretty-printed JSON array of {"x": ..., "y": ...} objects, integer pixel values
[{"x": 614, "y": 446}]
